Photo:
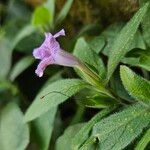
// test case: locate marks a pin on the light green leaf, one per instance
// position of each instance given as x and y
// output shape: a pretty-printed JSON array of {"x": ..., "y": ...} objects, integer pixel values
[
  {"x": 86, "y": 54},
  {"x": 53, "y": 95},
  {"x": 14, "y": 133},
  {"x": 138, "y": 87},
  {"x": 64, "y": 141},
  {"x": 144, "y": 141},
  {"x": 20, "y": 66},
  {"x": 41, "y": 17},
  {"x": 63, "y": 13},
  {"x": 83, "y": 133},
  {"x": 50, "y": 5},
  {"x": 119, "y": 130},
  {"x": 43, "y": 127},
  {"x": 122, "y": 43}
]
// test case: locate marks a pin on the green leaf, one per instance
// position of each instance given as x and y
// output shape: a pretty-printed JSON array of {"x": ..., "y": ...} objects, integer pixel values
[
  {"x": 24, "y": 32},
  {"x": 14, "y": 133},
  {"x": 86, "y": 54},
  {"x": 93, "y": 99},
  {"x": 146, "y": 24},
  {"x": 50, "y": 5},
  {"x": 53, "y": 95},
  {"x": 5, "y": 57},
  {"x": 144, "y": 61},
  {"x": 7, "y": 47},
  {"x": 139, "y": 58},
  {"x": 110, "y": 35},
  {"x": 144, "y": 141},
  {"x": 122, "y": 43},
  {"x": 63, "y": 13},
  {"x": 97, "y": 43},
  {"x": 41, "y": 17},
  {"x": 138, "y": 87},
  {"x": 64, "y": 141},
  {"x": 83, "y": 133},
  {"x": 119, "y": 130},
  {"x": 43, "y": 127},
  {"x": 20, "y": 66}
]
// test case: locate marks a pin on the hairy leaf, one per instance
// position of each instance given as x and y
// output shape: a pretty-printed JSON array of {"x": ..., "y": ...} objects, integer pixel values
[
  {"x": 119, "y": 130},
  {"x": 64, "y": 141},
  {"x": 53, "y": 95},
  {"x": 83, "y": 133},
  {"x": 138, "y": 87},
  {"x": 122, "y": 43}
]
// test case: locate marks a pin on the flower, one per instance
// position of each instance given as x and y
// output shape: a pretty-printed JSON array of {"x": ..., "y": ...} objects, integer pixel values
[{"x": 50, "y": 52}]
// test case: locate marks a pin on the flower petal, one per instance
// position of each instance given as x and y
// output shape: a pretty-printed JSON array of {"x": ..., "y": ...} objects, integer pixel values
[
  {"x": 65, "y": 59},
  {"x": 60, "y": 33},
  {"x": 42, "y": 65}
]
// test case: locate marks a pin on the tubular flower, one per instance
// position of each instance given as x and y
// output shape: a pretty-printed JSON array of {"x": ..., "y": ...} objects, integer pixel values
[{"x": 50, "y": 52}]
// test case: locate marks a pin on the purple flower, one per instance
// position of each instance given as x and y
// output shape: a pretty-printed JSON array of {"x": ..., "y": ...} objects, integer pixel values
[{"x": 50, "y": 52}]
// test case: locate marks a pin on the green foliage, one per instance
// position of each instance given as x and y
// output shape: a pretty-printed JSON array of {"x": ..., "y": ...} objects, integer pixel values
[
  {"x": 146, "y": 24},
  {"x": 63, "y": 13},
  {"x": 122, "y": 43},
  {"x": 43, "y": 127},
  {"x": 64, "y": 141},
  {"x": 83, "y": 133},
  {"x": 41, "y": 16},
  {"x": 97, "y": 43},
  {"x": 20, "y": 66},
  {"x": 135, "y": 85},
  {"x": 54, "y": 94},
  {"x": 86, "y": 54},
  {"x": 108, "y": 111},
  {"x": 144, "y": 141},
  {"x": 13, "y": 131},
  {"x": 119, "y": 130}
]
